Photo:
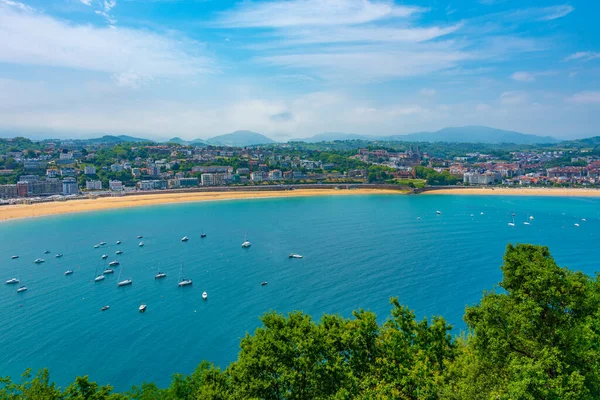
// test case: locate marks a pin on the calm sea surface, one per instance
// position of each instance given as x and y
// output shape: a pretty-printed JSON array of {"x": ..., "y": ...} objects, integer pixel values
[{"x": 358, "y": 252}]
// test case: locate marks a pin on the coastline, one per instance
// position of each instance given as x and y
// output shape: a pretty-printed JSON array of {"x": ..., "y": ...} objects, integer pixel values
[
  {"x": 22, "y": 211},
  {"x": 524, "y": 191}
]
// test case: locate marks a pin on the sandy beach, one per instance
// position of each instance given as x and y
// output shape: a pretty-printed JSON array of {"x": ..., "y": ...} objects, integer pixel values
[
  {"x": 20, "y": 211},
  {"x": 525, "y": 191}
]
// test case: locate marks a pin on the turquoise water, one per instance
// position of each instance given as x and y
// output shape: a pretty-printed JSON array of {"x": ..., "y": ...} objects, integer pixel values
[{"x": 358, "y": 252}]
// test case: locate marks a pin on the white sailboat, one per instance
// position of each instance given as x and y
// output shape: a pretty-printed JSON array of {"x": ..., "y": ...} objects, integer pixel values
[
  {"x": 513, "y": 221},
  {"x": 246, "y": 243},
  {"x": 204, "y": 296},
  {"x": 12, "y": 281},
  {"x": 183, "y": 281},
  {"x": 98, "y": 278},
  {"x": 141, "y": 244},
  {"x": 185, "y": 239},
  {"x": 124, "y": 282}
]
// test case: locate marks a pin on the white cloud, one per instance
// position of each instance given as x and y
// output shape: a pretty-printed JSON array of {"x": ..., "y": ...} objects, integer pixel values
[
  {"x": 28, "y": 38},
  {"x": 583, "y": 56},
  {"x": 290, "y": 13},
  {"x": 369, "y": 64},
  {"x": 555, "y": 12},
  {"x": 512, "y": 98},
  {"x": 428, "y": 92},
  {"x": 86, "y": 2},
  {"x": 17, "y": 5},
  {"x": 522, "y": 76},
  {"x": 585, "y": 97}
]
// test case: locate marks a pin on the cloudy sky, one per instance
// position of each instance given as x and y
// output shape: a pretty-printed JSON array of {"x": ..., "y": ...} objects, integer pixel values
[{"x": 294, "y": 68}]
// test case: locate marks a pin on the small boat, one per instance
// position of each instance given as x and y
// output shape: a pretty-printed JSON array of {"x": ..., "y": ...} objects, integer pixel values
[
  {"x": 104, "y": 308},
  {"x": 102, "y": 243},
  {"x": 264, "y": 283},
  {"x": 21, "y": 289},
  {"x": 418, "y": 218},
  {"x": 96, "y": 246},
  {"x": 141, "y": 244},
  {"x": 514, "y": 215},
  {"x": 185, "y": 239},
  {"x": 140, "y": 236},
  {"x": 68, "y": 272},
  {"x": 14, "y": 257},
  {"x": 438, "y": 212},
  {"x": 481, "y": 213},
  {"x": 59, "y": 255},
  {"x": 531, "y": 217},
  {"x": 294, "y": 256},
  {"x": 118, "y": 242},
  {"x": 104, "y": 256},
  {"x": 160, "y": 275},
  {"x": 47, "y": 252},
  {"x": 204, "y": 296},
  {"x": 513, "y": 221},
  {"x": 203, "y": 235},
  {"x": 118, "y": 252},
  {"x": 12, "y": 281},
  {"x": 183, "y": 281},
  {"x": 125, "y": 282},
  {"x": 246, "y": 243},
  {"x": 143, "y": 308},
  {"x": 584, "y": 220},
  {"x": 526, "y": 223},
  {"x": 108, "y": 271},
  {"x": 99, "y": 278},
  {"x": 39, "y": 260},
  {"x": 576, "y": 225},
  {"x": 113, "y": 263}
]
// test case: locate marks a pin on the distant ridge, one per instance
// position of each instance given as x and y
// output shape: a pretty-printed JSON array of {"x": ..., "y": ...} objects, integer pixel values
[
  {"x": 464, "y": 134},
  {"x": 118, "y": 139},
  {"x": 240, "y": 139}
]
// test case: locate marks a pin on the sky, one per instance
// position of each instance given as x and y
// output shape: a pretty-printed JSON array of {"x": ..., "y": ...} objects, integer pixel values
[{"x": 294, "y": 68}]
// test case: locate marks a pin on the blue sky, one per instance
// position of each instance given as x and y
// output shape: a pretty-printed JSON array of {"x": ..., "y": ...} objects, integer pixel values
[{"x": 294, "y": 68}]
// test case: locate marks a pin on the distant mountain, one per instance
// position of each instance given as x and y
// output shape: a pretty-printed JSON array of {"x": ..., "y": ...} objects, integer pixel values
[
  {"x": 475, "y": 134},
  {"x": 177, "y": 140},
  {"x": 240, "y": 139},
  {"x": 108, "y": 139},
  {"x": 465, "y": 134},
  {"x": 333, "y": 136}
]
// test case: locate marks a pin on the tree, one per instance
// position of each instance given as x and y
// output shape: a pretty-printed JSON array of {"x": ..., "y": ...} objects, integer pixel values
[{"x": 538, "y": 338}]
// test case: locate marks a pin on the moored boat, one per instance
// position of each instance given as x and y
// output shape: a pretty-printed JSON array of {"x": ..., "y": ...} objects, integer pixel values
[
  {"x": 14, "y": 257},
  {"x": 143, "y": 308},
  {"x": 113, "y": 263},
  {"x": 21, "y": 289},
  {"x": 12, "y": 281},
  {"x": 204, "y": 296},
  {"x": 108, "y": 271},
  {"x": 185, "y": 239},
  {"x": 295, "y": 256},
  {"x": 160, "y": 275},
  {"x": 104, "y": 308},
  {"x": 68, "y": 272},
  {"x": 39, "y": 260}
]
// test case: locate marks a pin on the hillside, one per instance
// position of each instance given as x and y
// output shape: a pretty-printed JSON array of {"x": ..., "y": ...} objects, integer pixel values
[{"x": 240, "y": 139}]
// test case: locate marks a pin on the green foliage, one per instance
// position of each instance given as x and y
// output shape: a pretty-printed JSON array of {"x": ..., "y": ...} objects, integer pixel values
[
  {"x": 435, "y": 178},
  {"x": 536, "y": 337}
]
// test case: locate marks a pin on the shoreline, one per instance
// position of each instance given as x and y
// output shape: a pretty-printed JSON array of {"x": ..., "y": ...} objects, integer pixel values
[
  {"x": 36, "y": 210},
  {"x": 517, "y": 191}
]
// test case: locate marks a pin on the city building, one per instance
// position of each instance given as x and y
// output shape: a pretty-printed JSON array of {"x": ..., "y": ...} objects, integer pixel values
[
  {"x": 486, "y": 178},
  {"x": 116, "y": 186},
  {"x": 67, "y": 172},
  {"x": 8, "y": 191},
  {"x": 69, "y": 186},
  {"x": 116, "y": 168},
  {"x": 207, "y": 179},
  {"x": 89, "y": 170},
  {"x": 52, "y": 173},
  {"x": 275, "y": 175},
  {"x": 93, "y": 185}
]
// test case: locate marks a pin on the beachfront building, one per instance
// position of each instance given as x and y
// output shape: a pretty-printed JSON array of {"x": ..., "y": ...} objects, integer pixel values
[
  {"x": 89, "y": 170},
  {"x": 69, "y": 186},
  {"x": 486, "y": 178},
  {"x": 187, "y": 182},
  {"x": 93, "y": 185},
  {"x": 207, "y": 179},
  {"x": 275, "y": 175},
  {"x": 116, "y": 186},
  {"x": 8, "y": 191},
  {"x": 146, "y": 185},
  {"x": 256, "y": 176}
]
